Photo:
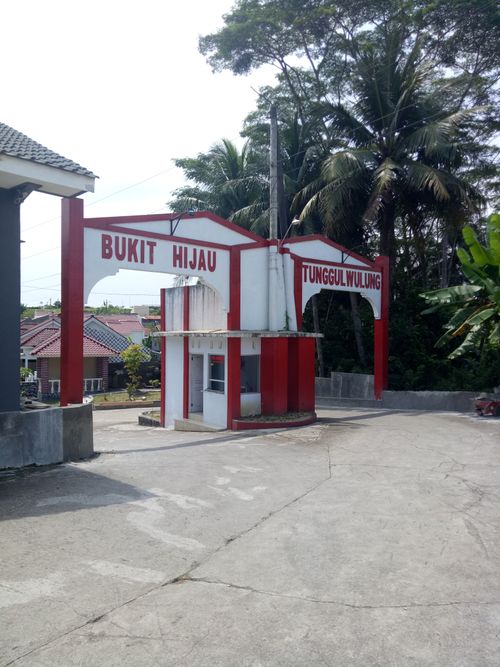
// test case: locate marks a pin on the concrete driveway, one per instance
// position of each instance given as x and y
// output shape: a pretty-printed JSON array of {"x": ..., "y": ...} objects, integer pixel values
[{"x": 370, "y": 538}]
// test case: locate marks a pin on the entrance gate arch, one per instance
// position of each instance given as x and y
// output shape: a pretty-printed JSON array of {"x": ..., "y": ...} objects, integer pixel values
[{"x": 263, "y": 287}]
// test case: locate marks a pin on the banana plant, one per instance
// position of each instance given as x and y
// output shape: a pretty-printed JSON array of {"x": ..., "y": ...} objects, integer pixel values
[{"x": 475, "y": 305}]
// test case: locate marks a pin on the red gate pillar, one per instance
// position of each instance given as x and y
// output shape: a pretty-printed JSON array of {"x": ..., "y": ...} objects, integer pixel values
[
  {"x": 381, "y": 342},
  {"x": 274, "y": 376},
  {"x": 72, "y": 301},
  {"x": 301, "y": 375}
]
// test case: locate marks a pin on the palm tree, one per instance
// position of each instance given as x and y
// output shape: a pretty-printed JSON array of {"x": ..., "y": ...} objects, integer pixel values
[
  {"x": 226, "y": 181},
  {"x": 402, "y": 153}
]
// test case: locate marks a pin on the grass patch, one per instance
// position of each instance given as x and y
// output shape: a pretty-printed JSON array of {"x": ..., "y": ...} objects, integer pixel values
[{"x": 122, "y": 397}]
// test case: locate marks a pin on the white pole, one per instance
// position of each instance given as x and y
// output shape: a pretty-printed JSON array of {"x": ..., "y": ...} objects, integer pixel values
[{"x": 273, "y": 175}]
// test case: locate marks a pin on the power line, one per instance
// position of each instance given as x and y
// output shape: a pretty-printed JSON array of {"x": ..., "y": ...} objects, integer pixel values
[{"x": 348, "y": 133}]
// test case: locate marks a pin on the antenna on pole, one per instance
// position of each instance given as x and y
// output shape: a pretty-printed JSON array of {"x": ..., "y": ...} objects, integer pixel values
[{"x": 273, "y": 175}]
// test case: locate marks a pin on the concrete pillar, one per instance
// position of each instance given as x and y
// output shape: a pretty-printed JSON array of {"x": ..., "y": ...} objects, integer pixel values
[
  {"x": 10, "y": 299},
  {"x": 274, "y": 376},
  {"x": 301, "y": 374},
  {"x": 72, "y": 301}
]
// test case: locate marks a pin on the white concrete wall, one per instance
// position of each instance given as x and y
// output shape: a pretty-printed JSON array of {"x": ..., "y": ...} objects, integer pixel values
[
  {"x": 250, "y": 346},
  {"x": 250, "y": 405},
  {"x": 206, "y": 310},
  {"x": 174, "y": 301},
  {"x": 254, "y": 289},
  {"x": 174, "y": 382},
  {"x": 102, "y": 249}
]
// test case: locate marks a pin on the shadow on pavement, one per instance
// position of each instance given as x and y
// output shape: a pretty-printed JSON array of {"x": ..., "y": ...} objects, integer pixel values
[
  {"x": 370, "y": 415},
  {"x": 62, "y": 489}
]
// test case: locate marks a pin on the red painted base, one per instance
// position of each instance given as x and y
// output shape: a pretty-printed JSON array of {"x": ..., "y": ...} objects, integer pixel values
[{"x": 246, "y": 425}]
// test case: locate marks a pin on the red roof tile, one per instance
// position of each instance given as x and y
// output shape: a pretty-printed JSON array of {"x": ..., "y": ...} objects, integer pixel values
[
  {"x": 38, "y": 337},
  {"x": 122, "y": 324},
  {"x": 91, "y": 348}
]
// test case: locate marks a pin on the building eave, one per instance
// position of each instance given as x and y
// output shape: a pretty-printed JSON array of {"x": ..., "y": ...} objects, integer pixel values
[{"x": 50, "y": 180}]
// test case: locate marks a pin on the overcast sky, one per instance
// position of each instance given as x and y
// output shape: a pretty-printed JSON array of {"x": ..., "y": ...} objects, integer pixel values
[{"x": 119, "y": 87}]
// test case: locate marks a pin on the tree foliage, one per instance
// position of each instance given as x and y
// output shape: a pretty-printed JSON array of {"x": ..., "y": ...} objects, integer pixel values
[
  {"x": 475, "y": 305},
  {"x": 132, "y": 357},
  {"x": 387, "y": 114},
  {"x": 226, "y": 181}
]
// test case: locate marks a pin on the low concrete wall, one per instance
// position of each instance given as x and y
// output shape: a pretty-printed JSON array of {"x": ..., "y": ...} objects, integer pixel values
[
  {"x": 446, "y": 401},
  {"x": 78, "y": 433},
  {"x": 346, "y": 385},
  {"x": 356, "y": 390},
  {"x": 42, "y": 437}
]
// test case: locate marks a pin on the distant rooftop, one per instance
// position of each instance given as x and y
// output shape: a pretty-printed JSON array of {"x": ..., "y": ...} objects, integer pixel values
[{"x": 16, "y": 144}]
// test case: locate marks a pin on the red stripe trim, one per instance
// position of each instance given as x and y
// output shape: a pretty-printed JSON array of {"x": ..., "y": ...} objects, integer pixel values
[
  {"x": 243, "y": 425},
  {"x": 234, "y": 314},
  {"x": 251, "y": 246},
  {"x": 297, "y": 289},
  {"x": 125, "y": 231},
  {"x": 163, "y": 357},
  {"x": 318, "y": 237}
]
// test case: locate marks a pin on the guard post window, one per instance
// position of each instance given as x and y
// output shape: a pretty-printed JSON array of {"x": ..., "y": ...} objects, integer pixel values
[
  {"x": 216, "y": 372},
  {"x": 250, "y": 373}
]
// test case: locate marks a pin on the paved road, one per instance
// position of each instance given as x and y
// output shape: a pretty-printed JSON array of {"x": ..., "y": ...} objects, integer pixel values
[{"x": 371, "y": 538}]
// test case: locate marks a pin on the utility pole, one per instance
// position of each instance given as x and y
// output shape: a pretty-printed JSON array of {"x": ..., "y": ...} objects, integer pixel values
[{"x": 273, "y": 175}]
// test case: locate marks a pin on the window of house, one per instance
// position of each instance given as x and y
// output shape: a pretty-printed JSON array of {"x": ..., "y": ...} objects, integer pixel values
[
  {"x": 216, "y": 372},
  {"x": 250, "y": 373}
]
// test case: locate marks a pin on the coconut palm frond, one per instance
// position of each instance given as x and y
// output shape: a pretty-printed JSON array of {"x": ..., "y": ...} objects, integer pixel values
[
  {"x": 438, "y": 132},
  {"x": 347, "y": 164},
  {"x": 384, "y": 180},
  {"x": 421, "y": 177},
  {"x": 345, "y": 123}
]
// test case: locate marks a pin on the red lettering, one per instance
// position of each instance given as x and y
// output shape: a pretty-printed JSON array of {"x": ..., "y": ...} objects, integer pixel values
[
  {"x": 378, "y": 281},
  {"x": 202, "y": 265},
  {"x": 107, "y": 246},
  {"x": 142, "y": 246},
  {"x": 212, "y": 260},
  {"x": 132, "y": 250},
  {"x": 177, "y": 256},
  {"x": 120, "y": 247},
  {"x": 192, "y": 263},
  {"x": 349, "y": 278},
  {"x": 151, "y": 245}
]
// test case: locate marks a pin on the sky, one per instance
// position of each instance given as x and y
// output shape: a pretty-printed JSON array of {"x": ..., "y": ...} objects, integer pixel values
[{"x": 119, "y": 87}]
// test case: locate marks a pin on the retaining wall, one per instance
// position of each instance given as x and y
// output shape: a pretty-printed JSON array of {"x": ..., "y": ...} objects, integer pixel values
[
  {"x": 42, "y": 437},
  {"x": 356, "y": 390}
]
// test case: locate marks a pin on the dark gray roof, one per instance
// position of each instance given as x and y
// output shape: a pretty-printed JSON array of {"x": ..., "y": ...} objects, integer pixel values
[{"x": 17, "y": 144}]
